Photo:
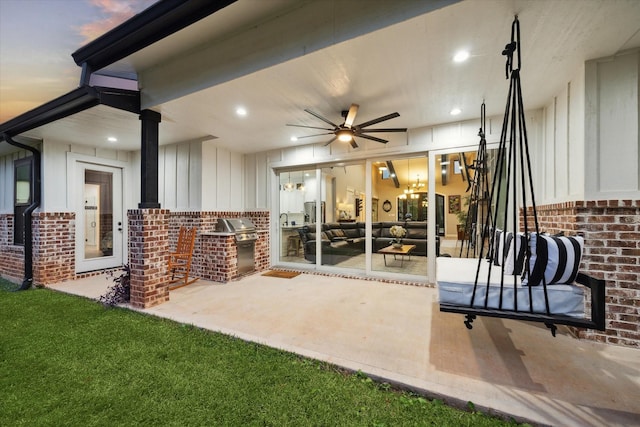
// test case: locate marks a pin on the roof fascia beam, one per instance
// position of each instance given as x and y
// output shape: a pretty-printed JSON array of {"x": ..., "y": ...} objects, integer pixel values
[
  {"x": 122, "y": 99},
  {"x": 70, "y": 103},
  {"x": 77, "y": 100},
  {"x": 154, "y": 23}
]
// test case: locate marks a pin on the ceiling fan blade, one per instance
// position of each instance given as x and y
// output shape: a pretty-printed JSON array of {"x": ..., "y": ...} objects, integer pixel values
[
  {"x": 310, "y": 127},
  {"x": 384, "y": 130},
  {"x": 351, "y": 115},
  {"x": 378, "y": 120},
  {"x": 322, "y": 118},
  {"x": 373, "y": 138},
  {"x": 316, "y": 134},
  {"x": 353, "y": 143},
  {"x": 330, "y": 141}
]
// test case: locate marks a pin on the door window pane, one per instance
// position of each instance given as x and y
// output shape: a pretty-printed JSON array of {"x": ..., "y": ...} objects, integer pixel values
[
  {"x": 297, "y": 190},
  {"x": 98, "y": 214},
  {"x": 400, "y": 186}
]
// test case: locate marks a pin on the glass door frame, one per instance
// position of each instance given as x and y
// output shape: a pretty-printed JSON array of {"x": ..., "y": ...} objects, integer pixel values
[{"x": 368, "y": 268}]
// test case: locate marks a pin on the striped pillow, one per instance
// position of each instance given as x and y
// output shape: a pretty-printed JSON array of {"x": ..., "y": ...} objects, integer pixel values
[
  {"x": 514, "y": 261},
  {"x": 554, "y": 259}
]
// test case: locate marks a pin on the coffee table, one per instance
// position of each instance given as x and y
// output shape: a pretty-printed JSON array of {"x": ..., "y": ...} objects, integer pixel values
[{"x": 404, "y": 250}]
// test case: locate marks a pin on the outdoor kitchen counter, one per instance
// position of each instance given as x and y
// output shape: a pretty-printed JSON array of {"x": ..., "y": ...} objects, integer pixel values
[{"x": 219, "y": 255}]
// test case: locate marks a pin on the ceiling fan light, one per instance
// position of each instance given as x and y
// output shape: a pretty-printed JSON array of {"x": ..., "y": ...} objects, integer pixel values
[{"x": 344, "y": 135}]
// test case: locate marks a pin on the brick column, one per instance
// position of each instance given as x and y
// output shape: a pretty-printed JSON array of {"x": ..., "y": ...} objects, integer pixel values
[{"x": 148, "y": 252}]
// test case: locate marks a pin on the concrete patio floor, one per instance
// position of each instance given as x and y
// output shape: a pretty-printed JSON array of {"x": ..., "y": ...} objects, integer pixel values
[{"x": 396, "y": 333}]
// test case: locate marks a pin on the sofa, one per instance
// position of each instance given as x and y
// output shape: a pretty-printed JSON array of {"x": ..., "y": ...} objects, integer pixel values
[{"x": 341, "y": 240}]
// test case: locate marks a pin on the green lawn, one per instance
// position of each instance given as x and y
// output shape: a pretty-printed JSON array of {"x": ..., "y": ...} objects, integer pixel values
[{"x": 65, "y": 360}]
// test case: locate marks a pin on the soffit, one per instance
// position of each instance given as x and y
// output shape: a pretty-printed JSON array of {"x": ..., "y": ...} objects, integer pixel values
[{"x": 405, "y": 67}]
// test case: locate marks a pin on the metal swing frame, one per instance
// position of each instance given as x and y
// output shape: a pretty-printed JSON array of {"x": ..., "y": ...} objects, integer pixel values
[{"x": 513, "y": 155}]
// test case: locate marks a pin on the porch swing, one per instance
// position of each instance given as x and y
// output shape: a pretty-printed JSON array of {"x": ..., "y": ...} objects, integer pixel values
[{"x": 527, "y": 275}]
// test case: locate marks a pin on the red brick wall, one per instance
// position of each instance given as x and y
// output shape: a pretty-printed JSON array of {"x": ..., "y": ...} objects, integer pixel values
[
  {"x": 220, "y": 259},
  {"x": 148, "y": 254},
  {"x": 11, "y": 256},
  {"x": 611, "y": 229},
  {"x": 53, "y": 248},
  {"x": 54, "y": 243},
  {"x": 205, "y": 222}
]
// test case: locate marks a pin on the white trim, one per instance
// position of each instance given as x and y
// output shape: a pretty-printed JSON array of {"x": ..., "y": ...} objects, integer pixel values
[{"x": 73, "y": 165}]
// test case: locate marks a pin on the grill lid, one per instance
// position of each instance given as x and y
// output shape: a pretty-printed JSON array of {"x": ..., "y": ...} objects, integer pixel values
[{"x": 243, "y": 228}]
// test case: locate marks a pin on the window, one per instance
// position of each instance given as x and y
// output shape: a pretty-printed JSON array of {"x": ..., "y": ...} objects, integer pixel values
[{"x": 23, "y": 196}]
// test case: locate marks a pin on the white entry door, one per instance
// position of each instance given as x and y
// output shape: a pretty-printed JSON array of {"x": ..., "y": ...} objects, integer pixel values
[{"x": 99, "y": 217}]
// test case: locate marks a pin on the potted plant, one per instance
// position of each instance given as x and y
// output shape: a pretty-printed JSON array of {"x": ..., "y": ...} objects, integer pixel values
[
  {"x": 462, "y": 215},
  {"x": 398, "y": 232}
]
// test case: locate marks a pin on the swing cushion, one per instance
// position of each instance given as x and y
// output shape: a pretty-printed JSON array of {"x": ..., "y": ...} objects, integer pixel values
[
  {"x": 456, "y": 278},
  {"x": 554, "y": 258}
]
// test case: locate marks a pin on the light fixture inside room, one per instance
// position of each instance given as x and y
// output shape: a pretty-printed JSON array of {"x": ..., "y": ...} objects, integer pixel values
[
  {"x": 289, "y": 185},
  {"x": 417, "y": 185},
  {"x": 294, "y": 139},
  {"x": 455, "y": 111},
  {"x": 112, "y": 139},
  {"x": 241, "y": 111}
]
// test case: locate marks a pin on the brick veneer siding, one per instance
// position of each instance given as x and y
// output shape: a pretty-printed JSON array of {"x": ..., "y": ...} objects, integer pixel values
[
  {"x": 11, "y": 256},
  {"x": 148, "y": 255},
  {"x": 203, "y": 262},
  {"x": 611, "y": 229},
  {"x": 220, "y": 261},
  {"x": 54, "y": 247}
]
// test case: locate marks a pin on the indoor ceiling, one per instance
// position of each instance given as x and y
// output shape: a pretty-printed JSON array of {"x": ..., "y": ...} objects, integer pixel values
[{"x": 407, "y": 67}]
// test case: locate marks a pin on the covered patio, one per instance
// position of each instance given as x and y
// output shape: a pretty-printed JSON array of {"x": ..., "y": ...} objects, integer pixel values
[{"x": 396, "y": 333}]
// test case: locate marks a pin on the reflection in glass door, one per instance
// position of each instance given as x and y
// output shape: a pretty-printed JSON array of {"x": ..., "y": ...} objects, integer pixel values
[
  {"x": 399, "y": 237},
  {"x": 297, "y": 211},
  {"x": 99, "y": 226},
  {"x": 98, "y": 218}
]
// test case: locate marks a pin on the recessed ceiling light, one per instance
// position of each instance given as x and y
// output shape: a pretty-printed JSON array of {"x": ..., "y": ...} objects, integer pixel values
[
  {"x": 241, "y": 111},
  {"x": 461, "y": 56},
  {"x": 455, "y": 111},
  {"x": 294, "y": 138},
  {"x": 112, "y": 139}
]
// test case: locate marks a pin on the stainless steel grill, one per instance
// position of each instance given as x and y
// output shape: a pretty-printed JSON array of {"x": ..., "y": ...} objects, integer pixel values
[{"x": 246, "y": 236}]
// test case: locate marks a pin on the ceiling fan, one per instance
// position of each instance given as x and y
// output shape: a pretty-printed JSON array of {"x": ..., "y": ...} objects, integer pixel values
[{"x": 347, "y": 130}]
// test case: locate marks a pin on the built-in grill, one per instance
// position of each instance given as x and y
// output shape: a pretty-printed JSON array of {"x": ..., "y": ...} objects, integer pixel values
[{"x": 246, "y": 236}]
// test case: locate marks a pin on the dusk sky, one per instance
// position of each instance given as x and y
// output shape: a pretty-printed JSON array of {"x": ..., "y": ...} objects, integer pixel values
[{"x": 37, "y": 38}]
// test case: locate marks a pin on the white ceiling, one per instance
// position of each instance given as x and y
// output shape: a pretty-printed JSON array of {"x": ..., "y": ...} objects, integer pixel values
[{"x": 406, "y": 67}]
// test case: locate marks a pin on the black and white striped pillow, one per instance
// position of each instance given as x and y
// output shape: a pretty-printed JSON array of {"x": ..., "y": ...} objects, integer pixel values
[
  {"x": 514, "y": 260},
  {"x": 556, "y": 259}
]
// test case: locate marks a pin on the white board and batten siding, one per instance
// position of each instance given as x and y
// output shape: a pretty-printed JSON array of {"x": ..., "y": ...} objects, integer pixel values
[
  {"x": 57, "y": 177},
  {"x": 198, "y": 176},
  {"x": 612, "y": 131}
]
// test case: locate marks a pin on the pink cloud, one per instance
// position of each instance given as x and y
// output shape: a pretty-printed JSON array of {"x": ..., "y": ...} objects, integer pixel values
[{"x": 115, "y": 12}]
